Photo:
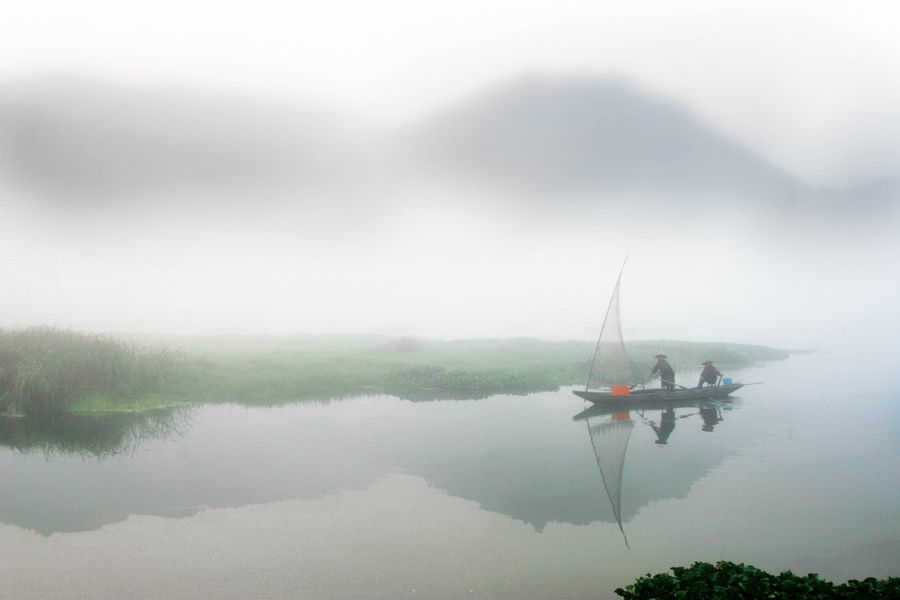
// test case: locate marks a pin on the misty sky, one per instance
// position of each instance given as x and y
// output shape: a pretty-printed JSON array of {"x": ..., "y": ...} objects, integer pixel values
[
  {"x": 163, "y": 195},
  {"x": 815, "y": 86}
]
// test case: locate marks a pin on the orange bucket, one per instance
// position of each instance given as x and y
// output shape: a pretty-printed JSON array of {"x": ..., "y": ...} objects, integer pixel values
[{"x": 621, "y": 390}]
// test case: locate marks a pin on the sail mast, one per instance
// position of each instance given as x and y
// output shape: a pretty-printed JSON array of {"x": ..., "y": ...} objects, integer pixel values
[{"x": 612, "y": 301}]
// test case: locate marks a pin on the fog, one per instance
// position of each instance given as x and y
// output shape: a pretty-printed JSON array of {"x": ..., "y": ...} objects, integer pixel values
[{"x": 453, "y": 172}]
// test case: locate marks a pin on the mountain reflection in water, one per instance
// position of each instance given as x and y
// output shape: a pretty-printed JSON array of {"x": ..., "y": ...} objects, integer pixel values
[{"x": 521, "y": 457}]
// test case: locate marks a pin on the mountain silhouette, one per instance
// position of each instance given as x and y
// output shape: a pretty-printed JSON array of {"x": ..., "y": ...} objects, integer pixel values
[
  {"x": 92, "y": 141},
  {"x": 544, "y": 137},
  {"x": 567, "y": 143}
]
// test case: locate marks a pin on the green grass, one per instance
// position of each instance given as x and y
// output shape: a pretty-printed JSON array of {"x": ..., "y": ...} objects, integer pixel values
[
  {"x": 45, "y": 368},
  {"x": 267, "y": 370},
  {"x": 253, "y": 370}
]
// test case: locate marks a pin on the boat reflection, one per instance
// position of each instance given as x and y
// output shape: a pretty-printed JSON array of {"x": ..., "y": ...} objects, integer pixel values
[{"x": 611, "y": 427}]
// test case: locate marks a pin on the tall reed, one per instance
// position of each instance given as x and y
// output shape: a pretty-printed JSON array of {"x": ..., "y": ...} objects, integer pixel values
[{"x": 45, "y": 368}]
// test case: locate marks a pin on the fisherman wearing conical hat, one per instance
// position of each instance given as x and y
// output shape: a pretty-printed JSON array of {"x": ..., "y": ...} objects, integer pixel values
[
  {"x": 666, "y": 373},
  {"x": 710, "y": 374}
]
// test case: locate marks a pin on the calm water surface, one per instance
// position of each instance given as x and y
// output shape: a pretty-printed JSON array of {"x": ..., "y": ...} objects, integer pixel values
[{"x": 507, "y": 497}]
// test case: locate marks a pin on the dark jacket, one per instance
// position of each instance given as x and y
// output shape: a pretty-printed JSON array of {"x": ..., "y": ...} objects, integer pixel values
[
  {"x": 710, "y": 373},
  {"x": 665, "y": 370}
]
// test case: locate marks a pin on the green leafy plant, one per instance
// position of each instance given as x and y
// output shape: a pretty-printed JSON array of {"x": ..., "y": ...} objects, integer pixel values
[{"x": 730, "y": 581}]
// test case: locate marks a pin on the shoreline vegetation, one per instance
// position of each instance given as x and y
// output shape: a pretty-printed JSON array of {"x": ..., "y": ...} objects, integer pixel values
[
  {"x": 46, "y": 369},
  {"x": 730, "y": 581}
]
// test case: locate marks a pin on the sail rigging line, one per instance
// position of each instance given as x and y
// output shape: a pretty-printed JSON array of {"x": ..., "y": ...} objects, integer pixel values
[
  {"x": 643, "y": 383},
  {"x": 613, "y": 301}
]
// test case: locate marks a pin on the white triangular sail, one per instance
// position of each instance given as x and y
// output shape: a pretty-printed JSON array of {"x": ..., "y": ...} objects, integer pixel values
[{"x": 610, "y": 365}]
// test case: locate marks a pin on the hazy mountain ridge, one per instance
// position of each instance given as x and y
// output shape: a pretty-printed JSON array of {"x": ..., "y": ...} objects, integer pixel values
[
  {"x": 93, "y": 141},
  {"x": 578, "y": 142},
  {"x": 542, "y": 137}
]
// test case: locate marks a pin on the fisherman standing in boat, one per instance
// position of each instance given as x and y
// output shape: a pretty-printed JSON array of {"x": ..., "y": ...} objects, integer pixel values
[
  {"x": 710, "y": 375},
  {"x": 666, "y": 373}
]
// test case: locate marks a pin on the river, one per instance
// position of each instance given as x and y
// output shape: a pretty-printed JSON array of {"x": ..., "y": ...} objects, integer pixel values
[{"x": 506, "y": 497}]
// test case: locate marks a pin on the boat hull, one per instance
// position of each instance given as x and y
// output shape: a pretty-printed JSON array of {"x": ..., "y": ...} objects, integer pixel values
[{"x": 658, "y": 395}]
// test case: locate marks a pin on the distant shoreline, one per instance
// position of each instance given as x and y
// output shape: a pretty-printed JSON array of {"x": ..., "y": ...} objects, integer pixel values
[{"x": 123, "y": 375}]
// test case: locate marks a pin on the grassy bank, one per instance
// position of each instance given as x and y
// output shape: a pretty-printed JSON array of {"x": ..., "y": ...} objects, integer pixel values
[
  {"x": 272, "y": 369},
  {"x": 44, "y": 368},
  {"x": 255, "y": 370}
]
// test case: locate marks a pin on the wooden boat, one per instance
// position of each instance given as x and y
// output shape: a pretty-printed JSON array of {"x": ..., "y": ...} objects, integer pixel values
[
  {"x": 661, "y": 396},
  {"x": 612, "y": 379}
]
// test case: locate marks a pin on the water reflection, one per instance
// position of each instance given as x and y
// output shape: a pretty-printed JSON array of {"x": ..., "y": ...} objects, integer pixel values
[
  {"x": 611, "y": 427},
  {"x": 522, "y": 457},
  {"x": 99, "y": 436}
]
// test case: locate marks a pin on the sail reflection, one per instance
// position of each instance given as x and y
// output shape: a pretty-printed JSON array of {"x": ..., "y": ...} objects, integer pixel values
[
  {"x": 611, "y": 427},
  {"x": 610, "y": 441}
]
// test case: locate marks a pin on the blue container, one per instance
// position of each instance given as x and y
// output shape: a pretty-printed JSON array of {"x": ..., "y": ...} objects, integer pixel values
[{"x": 726, "y": 381}]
